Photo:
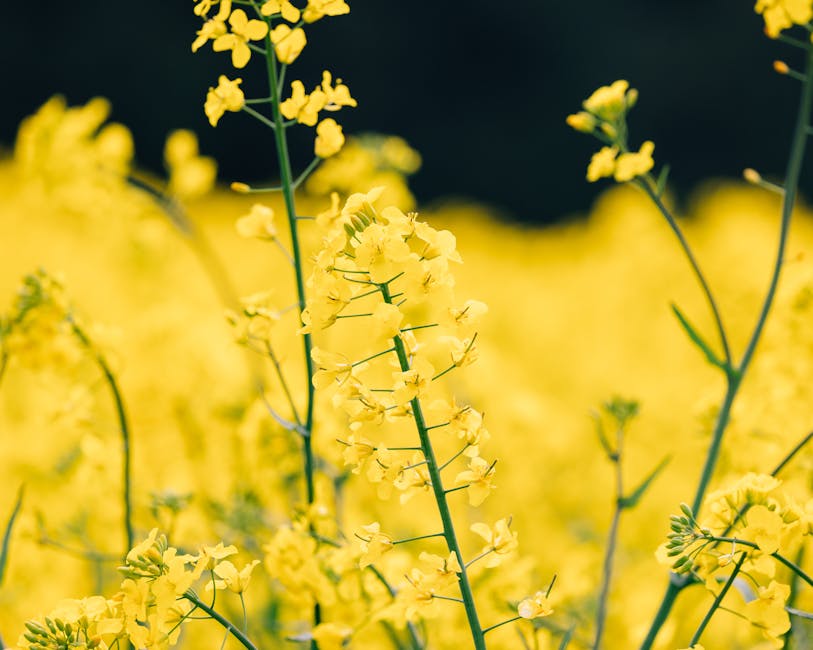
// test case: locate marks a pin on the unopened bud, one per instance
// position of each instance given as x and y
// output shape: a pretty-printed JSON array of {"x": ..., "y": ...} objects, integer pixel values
[
  {"x": 752, "y": 176},
  {"x": 781, "y": 67},
  {"x": 240, "y": 188}
]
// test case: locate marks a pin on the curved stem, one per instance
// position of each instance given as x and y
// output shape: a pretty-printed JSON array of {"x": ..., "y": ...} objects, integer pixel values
[
  {"x": 124, "y": 429},
  {"x": 440, "y": 496},
  {"x": 676, "y": 583},
  {"x": 670, "y": 219},
  {"x": 716, "y": 604},
  {"x": 224, "y": 622}
]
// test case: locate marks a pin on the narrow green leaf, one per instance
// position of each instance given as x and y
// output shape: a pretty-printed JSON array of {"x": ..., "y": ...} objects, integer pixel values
[
  {"x": 7, "y": 537},
  {"x": 631, "y": 500},
  {"x": 567, "y": 637},
  {"x": 699, "y": 342},
  {"x": 661, "y": 183}
]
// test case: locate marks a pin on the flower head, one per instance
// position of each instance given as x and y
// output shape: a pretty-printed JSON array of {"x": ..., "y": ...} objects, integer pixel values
[{"x": 226, "y": 97}]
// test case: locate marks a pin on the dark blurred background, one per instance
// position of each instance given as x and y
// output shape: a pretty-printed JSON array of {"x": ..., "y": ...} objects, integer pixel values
[{"x": 480, "y": 88}]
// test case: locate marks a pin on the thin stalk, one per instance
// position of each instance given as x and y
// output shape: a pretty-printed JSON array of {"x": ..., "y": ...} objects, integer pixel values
[
  {"x": 286, "y": 181},
  {"x": 670, "y": 219},
  {"x": 609, "y": 554},
  {"x": 794, "y": 168},
  {"x": 440, "y": 497},
  {"x": 124, "y": 429},
  {"x": 224, "y": 622},
  {"x": 716, "y": 604}
]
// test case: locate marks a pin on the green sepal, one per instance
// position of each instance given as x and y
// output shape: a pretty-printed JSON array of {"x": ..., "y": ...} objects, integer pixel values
[
  {"x": 7, "y": 536},
  {"x": 631, "y": 500}
]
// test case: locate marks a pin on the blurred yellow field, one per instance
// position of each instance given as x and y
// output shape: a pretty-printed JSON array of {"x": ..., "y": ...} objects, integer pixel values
[{"x": 187, "y": 297}]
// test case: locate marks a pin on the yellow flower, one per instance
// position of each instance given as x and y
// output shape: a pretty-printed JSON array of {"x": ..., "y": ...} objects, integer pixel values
[
  {"x": 386, "y": 320},
  {"x": 331, "y": 636},
  {"x": 243, "y": 30},
  {"x": 226, "y": 97},
  {"x": 500, "y": 541},
  {"x": 190, "y": 175},
  {"x": 288, "y": 43},
  {"x": 764, "y": 528},
  {"x": 630, "y": 165},
  {"x": 214, "y": 27},
  {"x": 330, "y": 367},
  {"x": 602, "y": 164},
  {"x": 767, "y": 611},
  {"x": 284, "y": 7},
  {"x": 478, "y": 479},
  {"x": 317, "y": 9},
  {"x": 608, "y": 102},
  {"x": 582, "y": 121},
  {"x": 329, "y": 138},
  {"x": 259, "y": 223},
  {"x": 338, "y": 95},
  {"x": 374, "y": 544},
  {"x": 536, "y": 606},
  {"x": 781, "y": 14},
  {"x": 302, "y": 107},
  {"x": 231, "y": 578},
  {"x": 414, "y": 382}
]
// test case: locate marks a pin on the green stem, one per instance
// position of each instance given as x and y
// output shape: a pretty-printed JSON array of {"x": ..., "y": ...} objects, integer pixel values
[
  {"x": 413, "y": 633},
  {"x": 286, "y": 181},
  {"x": 124, "y": 429},
  {"x": 440, "y": 497},
  {"x": 670, "y": 219},
  {"x": 719, "y": 599},
  {"x": 224, "y": 622},
  {"x": 612, "y": 539},
  {"x": 676, "y": 584}
]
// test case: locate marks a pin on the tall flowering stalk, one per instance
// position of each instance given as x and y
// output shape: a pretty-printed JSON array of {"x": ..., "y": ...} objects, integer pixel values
[{"x": 605, "y": 117}]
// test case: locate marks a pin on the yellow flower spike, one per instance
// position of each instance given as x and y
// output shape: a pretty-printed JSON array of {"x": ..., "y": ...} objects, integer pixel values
[
  {"x": 288, "y": 43},
  {"x": 329, "y": 138},
  {"x": 602, "y": 164},
  {"x": 374, "y": 544},
  {"x": 288, "y": 11},
  {"x": 536, "y": 606},
  {"x": 318, "y": 9},
  {"x": 781, "y": 14},
  {"x": 258, "y": 223},
  {"x": 243, "y": 30},
  {"x": 226, "y": 97},
  {"x": 630, "y": 165}
]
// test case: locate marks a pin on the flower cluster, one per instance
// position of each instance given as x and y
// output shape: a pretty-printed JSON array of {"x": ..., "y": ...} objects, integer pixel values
[
  {"x": 605, "y": 117},
  {"x": 280, "y": 25},
  {"x": 154, "y": 600},
  {"x": 782, "y": 14},
  {"x": 753, "y": 523}
]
